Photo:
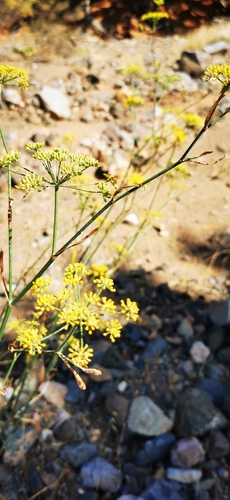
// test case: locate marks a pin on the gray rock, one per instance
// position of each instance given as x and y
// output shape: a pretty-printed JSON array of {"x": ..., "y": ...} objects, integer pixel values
[
  {"x": 215, "y": 338},
  {"x": 185, "y": 329},
  {"x": 155, "y": 449},
  {"x": 214, "y": 371},
  {"x": 187, "y": 452},
  {"x": 219, "y": 312},
  {"x": 55, "y": 101},
  {"x": 66, "y": 427},
  {"x": 146, "y": 418},
  {"x": 196, "y": 414},
  {"x": 214, "y": 48},
  {"x": 214, "y": 389},
  {"x": 187, "y": 476},
  {"x": 219, "y": 445},
  {"x": 199, "y": 352},
  {"x": 162, "y": 489},
  {"x": 98, "y": 473},
  {"x": 86, "y": 115},
  {"x": 155, "y": 348},
  {"x": 12, "y": 96},
  {"x": 223, "y": 355},
  {"x": 77, "y": 454}
]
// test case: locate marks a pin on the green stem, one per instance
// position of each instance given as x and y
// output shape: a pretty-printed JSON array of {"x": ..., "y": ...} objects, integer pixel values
[
  {"x": 10, "y": 368},
  {"x": 55, "y": 223}
]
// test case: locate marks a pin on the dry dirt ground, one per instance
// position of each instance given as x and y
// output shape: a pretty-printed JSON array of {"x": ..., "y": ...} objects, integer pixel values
[{"x": 193, "y": 217}]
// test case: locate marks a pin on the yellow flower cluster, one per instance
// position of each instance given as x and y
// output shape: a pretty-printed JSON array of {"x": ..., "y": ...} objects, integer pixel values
[
  {"x": 75, "y": 310},
  {"x": 9, "y": 158},
  {"x": 192, "y": 120},
  {"x": 30, "y": 182},
  {"x": 219, "y": 72},
  {"x": 154, "y": 16},
  {"x": 133, "y": 101},
  {"x": 9, "y": 75},
  {"x": 30, "y": 335}
]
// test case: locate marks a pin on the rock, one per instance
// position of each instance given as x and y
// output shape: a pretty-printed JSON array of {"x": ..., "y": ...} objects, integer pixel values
[
  {"x": 117, "y": 406},
  {"x": 98, "y": 473},
  {"x": 187, "y": 452},
  {"x": 86, "y": 142},
  {"x": 190, "y": 63},
  {"x": 74, "y": 394},
  {"x": 155, "y": 449},
  {"x": 12, "y": 96},
  {"x": 219, "y": 312},
  {"x": 54, "y": 392},
  {"x": 86, "y": 115},
  {"x": 214, "y": 389},
  {"x": 146, "y": 418},
  {"x": 196, "y": 414},
  {"x": 215, "y": 338},
  {"x": 106, "y": 374},
  {"x": 218, "y": 445},
  {"x": 155, "y": 348},
  {"x": 66, "y": 427},
  {"x": 186, "y": 82},
  {"x": 185, "y": 329},
  {"x": 214, "y": 371},
  {"x": 223, "y": 355},
  {"x": 78, "y": 454},
  {"x": 162, "y": 489},
  {"x": 131, "y": 219},
  {"x": 199, "y": 352},
  {"x": 129, "y": 497},
  {"x": 184, "y": 475},
  {"x": 18, "y": 444},
  {"x": 55, "y": 102},
  {"x": 214, "y": 48}
]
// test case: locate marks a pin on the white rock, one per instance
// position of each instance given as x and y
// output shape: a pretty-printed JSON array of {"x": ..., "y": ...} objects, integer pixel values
[
  {"x": 122, "y": 386},
  {"x": 146, "y": 418},
  {"x": 131, "y": 219},
  {"x": 184, "y": 475},
  {"x": 54, "y": 392},
  {"x": 120, "y": 160},
  {"x": 185, "y": 328},
  {"x": 86, "y": 142},
  {"x": 199, "y": 352},
  {"x": 12, "y": 96},
  {"x": 214, "y": 48},
  {"x": 55, "y": 102}
]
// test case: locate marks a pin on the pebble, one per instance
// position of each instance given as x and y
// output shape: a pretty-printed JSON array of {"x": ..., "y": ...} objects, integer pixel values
[
  {"x": 146, "y": 418},
  {"x": 214, "y": 389},
  {"x": 196, "y": 414},
  {"x": 214, "y": 48},
  {"x": 131, "y": 219},
  {"x": 184, "y": 475},
  {"x": 78, "y": 454},
  {"x": 156, "y": 449},
  {"x": 66, "y": 427},
  {"x": 185, "y": 329},
  {"x": 223, "y": 355},
  {"x": 218, "y": 445},
  {"x": 187, "y": 452},
  {"x": 12, "y": 96},
  {"x": 86, "y": 115},
  {"x": 219, "y": 312},
  {"x": 155, "y": 348},
  {"x": 54, "y": 392},
  {"x": 199, "y": 352},
  {"x": 98, "y": 473},
  {"x": 18, "y": 444},
  {"x": 55, "y": 101},
  {"x": 117, "y": 406},
  {"x": 162, "y": 489}
]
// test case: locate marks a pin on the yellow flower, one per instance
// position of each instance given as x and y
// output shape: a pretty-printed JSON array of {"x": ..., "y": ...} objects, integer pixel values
[
  {"x": 30, "y": 182},
  {"x": 220, "y": 72},
  {"x": 73, "y": 274},
  {"x": 121, "y": 250},
  {"x": 154, "y": 16},
  {"x": 41, "y": 285},
  {"x": 130, "y": 309},
  {"x": 30, "y": 335},
  {"x": 103, "y": 282},
  {"x": 192, "y": 120},
  {"x": 113, "y": 329},
  {"x": 108, "y": 305},
  {"x": 98, "y": 270},
  {"x": 133, "y": 101},
  {"x": 79, "y": 356},
  {"x": 10, "y": 74},
  {"x": 9, "y": 158},
  {"x": 45, "y": 302}
]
